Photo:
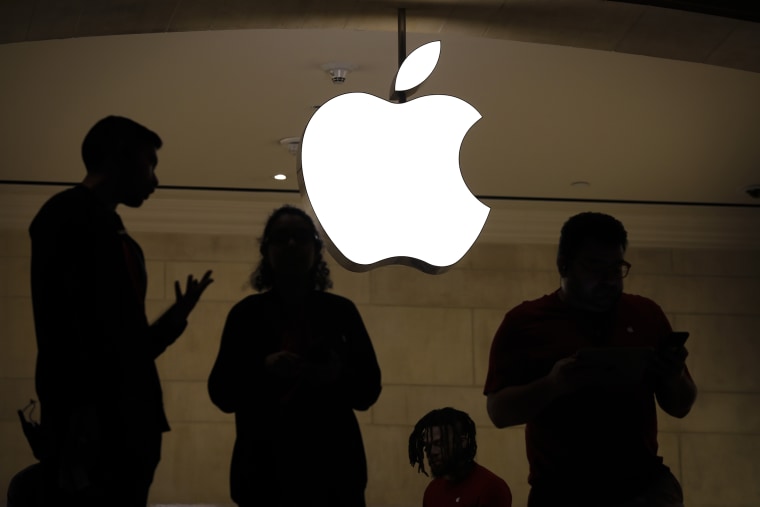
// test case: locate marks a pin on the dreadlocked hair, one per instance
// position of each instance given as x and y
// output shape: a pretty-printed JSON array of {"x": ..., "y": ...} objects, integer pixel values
[{"x": 456, "y": 426}]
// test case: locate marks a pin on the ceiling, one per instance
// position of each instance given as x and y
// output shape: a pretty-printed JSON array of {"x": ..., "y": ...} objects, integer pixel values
[{"x": 580, "y": 99}]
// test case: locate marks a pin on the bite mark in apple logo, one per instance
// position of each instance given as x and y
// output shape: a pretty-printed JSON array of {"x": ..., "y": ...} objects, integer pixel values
[{"x": 383, "y": 178}]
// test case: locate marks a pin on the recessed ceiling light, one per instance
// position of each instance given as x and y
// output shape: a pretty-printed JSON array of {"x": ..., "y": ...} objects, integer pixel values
[
  {"x": 580, "y": 184},
  {"x": 280, "y": 177}
]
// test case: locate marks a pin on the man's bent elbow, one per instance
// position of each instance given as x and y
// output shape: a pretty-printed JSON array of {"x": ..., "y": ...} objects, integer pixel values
[{"x": 495, "y": 412}]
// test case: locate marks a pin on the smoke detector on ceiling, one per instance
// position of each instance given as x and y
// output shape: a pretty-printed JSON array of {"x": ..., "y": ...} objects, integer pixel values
[
  {"x": 292, "y": 144},
  {"x": 338, "y": 71}
]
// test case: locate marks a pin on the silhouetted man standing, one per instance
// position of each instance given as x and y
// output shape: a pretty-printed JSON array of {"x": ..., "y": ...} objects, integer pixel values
[
  {"x": 582, "y": 368},
  {"x": 100, "y": 395}
]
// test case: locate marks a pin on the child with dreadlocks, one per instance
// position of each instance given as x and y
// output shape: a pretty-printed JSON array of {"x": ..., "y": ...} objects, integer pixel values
[{"x": 447, "y": 437}]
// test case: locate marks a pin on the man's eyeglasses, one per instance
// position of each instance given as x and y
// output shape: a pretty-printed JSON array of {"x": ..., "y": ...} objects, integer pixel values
[{"x": 616, "y": 270}]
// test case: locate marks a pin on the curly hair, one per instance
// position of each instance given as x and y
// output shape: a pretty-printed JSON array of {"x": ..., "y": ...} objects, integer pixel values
[
  {"x": 262, "y": 278},
  {"x": 455, "y": 426}
]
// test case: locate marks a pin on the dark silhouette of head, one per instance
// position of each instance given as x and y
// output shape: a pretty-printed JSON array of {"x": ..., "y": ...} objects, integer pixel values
[
  {"x": 263, "y": 278},
  {"x": 120, "y": 157},
  {"x": 588, "y": 227},
  {"x": 447, "y": 437},
  {"x": 113, "y": 141},
  {"x": 591, "y": 262}
]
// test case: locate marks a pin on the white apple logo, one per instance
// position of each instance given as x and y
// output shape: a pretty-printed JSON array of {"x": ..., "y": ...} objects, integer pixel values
[{"x": 383, "y": 178}]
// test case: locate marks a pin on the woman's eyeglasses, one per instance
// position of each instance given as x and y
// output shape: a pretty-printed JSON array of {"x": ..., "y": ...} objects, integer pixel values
[{"x": 298, "y": 236}]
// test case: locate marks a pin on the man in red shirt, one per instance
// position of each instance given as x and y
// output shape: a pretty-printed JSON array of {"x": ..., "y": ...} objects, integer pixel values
[
  {"x": 447, "y": 437},
  {"x": 582, "y": 368}
]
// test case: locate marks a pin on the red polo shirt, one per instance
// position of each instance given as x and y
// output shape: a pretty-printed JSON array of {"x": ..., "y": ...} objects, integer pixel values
[
  {"x": 601, "y": 440},
  {"x": 481, "y": 488}
]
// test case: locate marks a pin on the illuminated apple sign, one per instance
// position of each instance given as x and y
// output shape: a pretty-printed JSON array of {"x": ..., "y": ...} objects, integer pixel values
[{"x": 383, "y": 178}]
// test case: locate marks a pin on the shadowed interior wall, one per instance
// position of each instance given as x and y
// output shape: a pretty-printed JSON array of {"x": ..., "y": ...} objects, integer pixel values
[{"x": 431, "y": 335}]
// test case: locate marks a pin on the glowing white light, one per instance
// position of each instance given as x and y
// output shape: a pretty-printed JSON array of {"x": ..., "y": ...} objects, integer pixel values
[
  {"x": 418, "y": 66},
  {"x": 280, "y": 177},
  {"x": 384, "y": 180}
]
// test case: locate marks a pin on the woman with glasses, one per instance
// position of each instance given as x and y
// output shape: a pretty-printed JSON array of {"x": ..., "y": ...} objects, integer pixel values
[{"x": 295, "y": 361}]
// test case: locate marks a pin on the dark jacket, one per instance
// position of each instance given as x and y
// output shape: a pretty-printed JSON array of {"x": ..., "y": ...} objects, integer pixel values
[
  {"x": 95, "y": 349},
  {"x": 296, "y": 434}
]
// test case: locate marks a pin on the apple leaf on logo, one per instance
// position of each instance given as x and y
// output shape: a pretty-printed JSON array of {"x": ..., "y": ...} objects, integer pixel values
[{"x": 418, "y": 66}]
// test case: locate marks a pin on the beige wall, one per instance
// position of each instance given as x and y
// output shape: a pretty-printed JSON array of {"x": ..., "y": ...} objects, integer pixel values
[{"x": 432, "y": 335}]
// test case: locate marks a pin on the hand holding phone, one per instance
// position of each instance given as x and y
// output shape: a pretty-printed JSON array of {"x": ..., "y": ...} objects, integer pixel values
[
  {"x": 617, "y": 365},
  {"x": 671, "y": 355}
]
